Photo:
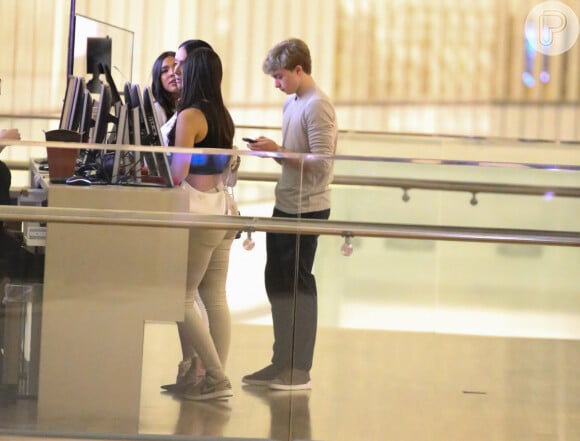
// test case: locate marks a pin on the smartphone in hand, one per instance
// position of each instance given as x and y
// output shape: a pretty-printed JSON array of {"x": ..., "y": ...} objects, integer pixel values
[{"x": 250, "y": 140}]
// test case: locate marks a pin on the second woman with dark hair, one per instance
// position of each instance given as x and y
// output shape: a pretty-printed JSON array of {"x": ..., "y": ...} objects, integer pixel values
[
  {"x": 204, "y": 121},
  {"x": 164, "y": 86},
  {"x": 183, "y": 50}
]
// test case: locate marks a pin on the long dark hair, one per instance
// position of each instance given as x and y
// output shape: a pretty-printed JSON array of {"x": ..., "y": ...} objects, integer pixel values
[
  {"x": 201, "y": 88},
  {"x": 191, "y": 45},
  {"x": 162, "y": 96}
]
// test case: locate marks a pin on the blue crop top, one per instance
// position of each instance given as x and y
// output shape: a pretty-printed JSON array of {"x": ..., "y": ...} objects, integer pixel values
[{"x": 207, "y": 164}]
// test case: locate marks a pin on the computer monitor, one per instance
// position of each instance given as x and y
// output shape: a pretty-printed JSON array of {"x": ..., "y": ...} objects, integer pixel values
[
  {"x": 123, "y": 164},
  {"x": 161, "y": 160},
  {"x": 127, "y": 93},
  {"x": 124, "y": 167},
  {"x": 137, "y": 101},
  {"x": 132, "y": 115},
  {"x": 141, "y": 128},
  {"x": 102, "y": 115},
  {"x": 67, "y": 105},
  {"x": 111, "y": 82},
  {"x": 98, "y": 56},
  {"x": 86, "y": 121},
  {"x": 74, "y": 115},
  {"x": 76, "y": 111},
  {"x": 151, "y": 116}
]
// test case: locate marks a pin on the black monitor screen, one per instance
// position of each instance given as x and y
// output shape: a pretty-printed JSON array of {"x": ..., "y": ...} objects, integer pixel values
[
  {"x": 127, "y": 95},
  {"x": 151, "y": 116},
  {"x": 67, "y": 105},
  {"x": 76, "y": 112},
  {"x": 102, "y": 115},
  {"x": 86, "y": 116},
  {"x": 98, "y": 56},
  {"x": 137, "y": 102}
]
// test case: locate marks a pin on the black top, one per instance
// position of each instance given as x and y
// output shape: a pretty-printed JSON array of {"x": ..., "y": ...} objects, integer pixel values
[{"x": 207, "y": 164}]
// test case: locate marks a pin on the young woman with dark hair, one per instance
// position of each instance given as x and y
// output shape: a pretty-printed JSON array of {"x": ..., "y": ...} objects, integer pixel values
[
  {"x": 204, "y": 121},
  {"x": 184, "y": 48},
  {"x": 164, "y": 87}
]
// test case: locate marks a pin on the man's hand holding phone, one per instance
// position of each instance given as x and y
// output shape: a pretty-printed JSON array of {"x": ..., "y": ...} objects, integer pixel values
[{"x": 262, "y": 144}]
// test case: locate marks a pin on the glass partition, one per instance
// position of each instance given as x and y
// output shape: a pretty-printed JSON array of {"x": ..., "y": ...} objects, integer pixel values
[
  {"x": 121, "y": 49},
  {"x": 445, "y": 311}
]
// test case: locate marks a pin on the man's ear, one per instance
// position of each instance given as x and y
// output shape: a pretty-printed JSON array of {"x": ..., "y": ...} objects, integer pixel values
[{"x": 299, "y": 69}]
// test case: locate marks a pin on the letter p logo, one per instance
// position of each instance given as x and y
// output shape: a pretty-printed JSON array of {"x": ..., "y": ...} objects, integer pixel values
[
  {"x": 551, "y": 28},
  {"x": 550, "y": 23}
]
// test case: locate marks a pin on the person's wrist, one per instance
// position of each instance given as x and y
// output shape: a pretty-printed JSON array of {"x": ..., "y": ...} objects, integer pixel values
[{"x": 281, "y": 149}]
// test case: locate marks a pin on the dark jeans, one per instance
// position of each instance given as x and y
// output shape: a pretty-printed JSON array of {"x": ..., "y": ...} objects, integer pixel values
[{"x": 291, "y": 289}]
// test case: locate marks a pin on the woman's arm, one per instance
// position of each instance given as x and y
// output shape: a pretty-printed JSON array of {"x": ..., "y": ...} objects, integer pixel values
[
  {"x": 9, "y": 134},
  {"x": 191, "y": 128}
]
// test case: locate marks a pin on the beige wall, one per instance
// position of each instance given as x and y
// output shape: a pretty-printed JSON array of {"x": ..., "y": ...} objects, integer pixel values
[
  {"x": 388, "y": 64},
  {"x": 366, "y": 50}
]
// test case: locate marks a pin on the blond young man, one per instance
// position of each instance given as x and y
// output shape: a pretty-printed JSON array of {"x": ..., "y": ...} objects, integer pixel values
[{"x": 303, "y": 191}]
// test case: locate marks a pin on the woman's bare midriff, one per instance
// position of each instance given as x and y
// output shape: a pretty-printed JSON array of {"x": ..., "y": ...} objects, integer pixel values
[{"x": 204, "y": 182}]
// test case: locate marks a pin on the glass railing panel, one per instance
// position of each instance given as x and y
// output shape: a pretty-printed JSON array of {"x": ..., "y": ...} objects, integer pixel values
[
  {"x": 284, "y": 299},
  {"x": 458, "y": 148},
  {"x": 392, "y": 169},
  {"x": 444, "y": 286},
  {"x": 21, "y": 280},
  {"x": 423, "y": 324},
  {"x": 500, "y": 195},
  {"x": 392, "y": 288},
  {"x": 398, "y": 344},
  {"x": 447, "y": 293},
  {"x": 287, "y": 290}
]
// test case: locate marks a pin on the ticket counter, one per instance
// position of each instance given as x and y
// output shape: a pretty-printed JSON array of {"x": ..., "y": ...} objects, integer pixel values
[{"x": 102, "y": 283}]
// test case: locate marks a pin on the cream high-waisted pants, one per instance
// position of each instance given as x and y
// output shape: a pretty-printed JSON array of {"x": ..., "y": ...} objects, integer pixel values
[{"x": 209, "y": 254}]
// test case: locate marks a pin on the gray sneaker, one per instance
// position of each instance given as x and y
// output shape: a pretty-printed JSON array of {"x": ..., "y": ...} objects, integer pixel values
[
  {"x": 292, "y": 379},
  {"x": 187, "y": 374},
  {"x": 209, "y": 389},
  {"x": 263, "y": 377}
]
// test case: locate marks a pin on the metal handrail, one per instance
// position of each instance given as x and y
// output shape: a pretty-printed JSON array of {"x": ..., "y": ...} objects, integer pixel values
[
  {"x": 385, "y": 133},
  {"x": 426, "y": 184},
  {"x": 282, "y": 225},
  {"x": 361, "y": 103},
  {"x": 409, "y": 184}
]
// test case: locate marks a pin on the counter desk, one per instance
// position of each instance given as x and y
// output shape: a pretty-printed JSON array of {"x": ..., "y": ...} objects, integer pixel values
[{"x": 101, "y": 284}]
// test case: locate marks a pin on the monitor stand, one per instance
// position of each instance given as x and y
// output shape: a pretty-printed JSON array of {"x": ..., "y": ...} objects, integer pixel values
[{"x": 94, "y": 84}]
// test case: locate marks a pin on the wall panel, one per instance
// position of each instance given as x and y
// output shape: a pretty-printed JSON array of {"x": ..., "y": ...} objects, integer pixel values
[
  {"x": 382, "y": 52},
  {"x": 8, "y": 23}
]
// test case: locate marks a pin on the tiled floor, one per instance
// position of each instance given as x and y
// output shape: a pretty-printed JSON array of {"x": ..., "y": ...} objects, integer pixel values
[{"x": 367, "y": 385}]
